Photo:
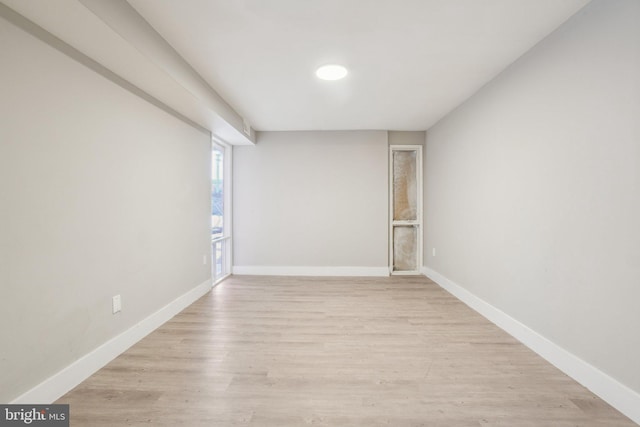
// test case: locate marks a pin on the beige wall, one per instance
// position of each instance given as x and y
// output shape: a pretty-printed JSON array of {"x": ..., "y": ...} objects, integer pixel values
[
  {"x": 102, "y": 194},
  {"x": 533, "y": 190},
  {"x": 311, "y": 199},
  {"x": 397, "y": 137}
]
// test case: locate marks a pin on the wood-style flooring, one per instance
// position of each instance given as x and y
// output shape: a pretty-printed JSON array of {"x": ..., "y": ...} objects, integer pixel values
[{"x": 292, "y": 351}]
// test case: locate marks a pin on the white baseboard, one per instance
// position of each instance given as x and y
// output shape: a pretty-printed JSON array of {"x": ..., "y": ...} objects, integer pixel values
[
  {"x": 607, "y": 388},
  {"x": 256, "y": 270},
  {"x": 60, "y": 383}
]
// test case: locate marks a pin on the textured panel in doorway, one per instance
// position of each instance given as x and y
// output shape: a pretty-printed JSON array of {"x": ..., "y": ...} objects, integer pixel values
[
  {"x": 405, "y": 248},
  {"x": 404, "y": 186}
]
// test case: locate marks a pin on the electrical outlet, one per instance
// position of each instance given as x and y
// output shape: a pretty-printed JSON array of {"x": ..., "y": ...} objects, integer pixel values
[
  {"x": 434, "y": 251},
  {"x": 116, "y": 304},
  {"x": 204, "y": 259}
]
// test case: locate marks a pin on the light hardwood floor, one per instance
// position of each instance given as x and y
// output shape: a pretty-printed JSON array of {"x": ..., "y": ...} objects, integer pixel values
[{"x": 276, "y": 351}]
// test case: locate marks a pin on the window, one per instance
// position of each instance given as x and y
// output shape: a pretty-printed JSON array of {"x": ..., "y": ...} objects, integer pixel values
[{"x": 220, "y": 210}]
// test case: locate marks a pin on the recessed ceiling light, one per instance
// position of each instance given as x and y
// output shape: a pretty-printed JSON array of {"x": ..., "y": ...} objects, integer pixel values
[{"x": 331, "y": 72}]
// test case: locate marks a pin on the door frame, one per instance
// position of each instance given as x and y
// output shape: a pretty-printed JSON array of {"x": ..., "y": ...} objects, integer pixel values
[{"x": 418, "y": 222}]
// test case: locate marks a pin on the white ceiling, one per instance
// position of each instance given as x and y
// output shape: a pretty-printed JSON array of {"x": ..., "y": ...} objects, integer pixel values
[{"x": 410, "y": 61}]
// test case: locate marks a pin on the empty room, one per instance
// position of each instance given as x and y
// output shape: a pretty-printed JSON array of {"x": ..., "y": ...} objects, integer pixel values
[{"x": 334, "y": 213}]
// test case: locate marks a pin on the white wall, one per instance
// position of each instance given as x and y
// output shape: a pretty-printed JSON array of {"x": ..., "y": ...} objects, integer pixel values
[
  {"x": 311, "y": 199},
  {"x": 102, "y": 194},
  {"x": 397, "y": 137},
  {"x": 533, "y": 190}
]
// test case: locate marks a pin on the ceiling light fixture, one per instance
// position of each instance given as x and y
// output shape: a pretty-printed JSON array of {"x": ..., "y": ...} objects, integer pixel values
[{"x": 331, "y": 72}]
